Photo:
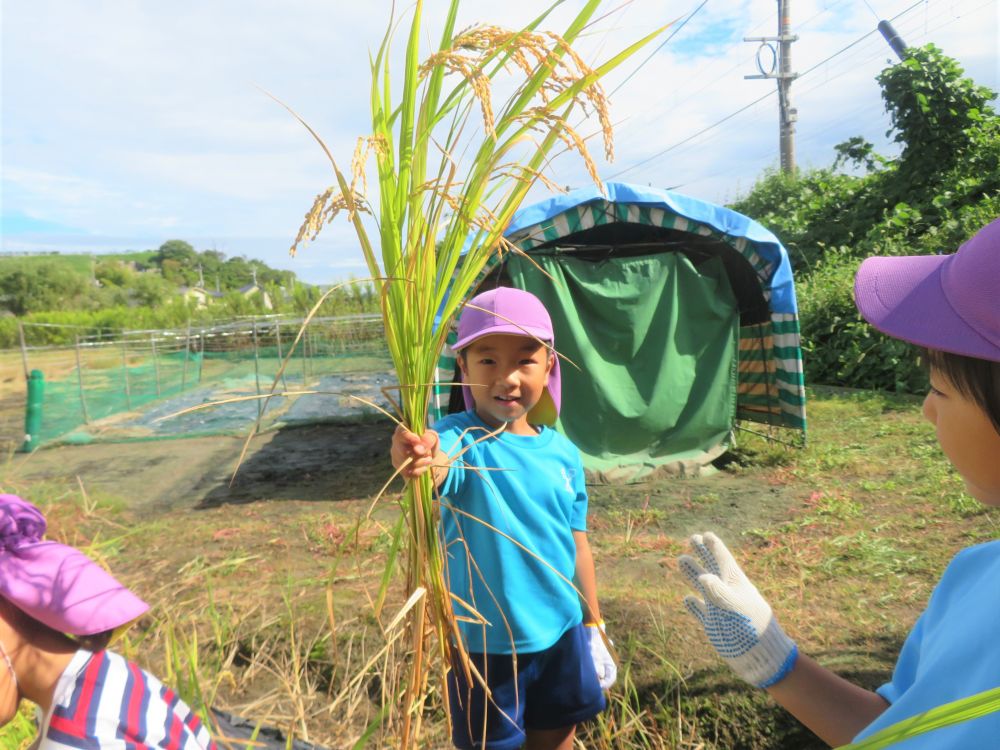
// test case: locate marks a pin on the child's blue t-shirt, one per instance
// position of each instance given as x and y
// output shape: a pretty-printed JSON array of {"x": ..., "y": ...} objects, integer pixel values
[
  {"x": 512, "y": 501},
  {"x": 951, "y": 653}
]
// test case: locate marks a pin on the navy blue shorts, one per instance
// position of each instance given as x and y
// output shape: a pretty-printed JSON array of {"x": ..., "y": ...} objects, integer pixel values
[{"x": 551, "y": 689}]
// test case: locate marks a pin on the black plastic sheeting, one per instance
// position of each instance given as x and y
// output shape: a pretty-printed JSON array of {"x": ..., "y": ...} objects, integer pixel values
[{"x": 229, "y": 730}]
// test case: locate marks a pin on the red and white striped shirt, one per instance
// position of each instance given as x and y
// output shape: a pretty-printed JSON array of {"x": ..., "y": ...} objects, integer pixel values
[{"x": 104, "y": 702}]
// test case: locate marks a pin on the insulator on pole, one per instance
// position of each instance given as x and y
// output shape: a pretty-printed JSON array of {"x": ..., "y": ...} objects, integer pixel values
[{"x": 895, "y": 40}]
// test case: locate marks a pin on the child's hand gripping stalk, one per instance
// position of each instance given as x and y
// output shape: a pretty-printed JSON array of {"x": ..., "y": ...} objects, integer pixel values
[
  {"x": 423, "y": 452},
  {"x": 736, "y": 619}
]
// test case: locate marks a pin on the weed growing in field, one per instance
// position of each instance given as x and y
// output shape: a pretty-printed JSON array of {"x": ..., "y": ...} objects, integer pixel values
[{"x": 263, "y": 611}]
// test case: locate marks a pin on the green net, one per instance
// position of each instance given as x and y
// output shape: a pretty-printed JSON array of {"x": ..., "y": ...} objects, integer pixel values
[
  {"x": 142, "y": 387},
  {"x": 91, "y": 396}
]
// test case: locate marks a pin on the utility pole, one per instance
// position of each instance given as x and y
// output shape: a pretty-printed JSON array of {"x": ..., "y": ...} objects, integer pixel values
[{"x": 781, "y": 69}]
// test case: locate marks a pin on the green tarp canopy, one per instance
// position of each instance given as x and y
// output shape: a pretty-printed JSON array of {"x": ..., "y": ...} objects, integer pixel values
[
  {"x": 675, "y": 318},
  {"x": 654, "y": 341}
]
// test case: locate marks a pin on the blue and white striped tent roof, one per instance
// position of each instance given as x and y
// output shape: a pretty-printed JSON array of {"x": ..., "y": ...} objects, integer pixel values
[{"x": 586, "y": 207}]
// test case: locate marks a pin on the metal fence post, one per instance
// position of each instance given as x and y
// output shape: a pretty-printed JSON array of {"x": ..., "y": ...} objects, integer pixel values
[
  {"x": 256, "y": 369},
  {"x": 305, "y": 375},
  {"x": 79, "y": 379},
  {"x": 128, "y": 390},
  {"x": 156, "y": 364},
  {"x": 187, "y": 353},
  {"x": 281, "y": 356}
]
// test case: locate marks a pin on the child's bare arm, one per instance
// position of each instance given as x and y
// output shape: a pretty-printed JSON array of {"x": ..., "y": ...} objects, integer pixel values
[
  {"x": 586, "y": 578},
  {"x": 835, "y": 709},
  {"x": 423, "y": 451}
]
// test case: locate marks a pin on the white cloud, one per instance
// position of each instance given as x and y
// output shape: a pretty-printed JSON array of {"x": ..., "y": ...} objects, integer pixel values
[
  {"x": 130, "y": 118},
  {"x": 66, "y": 190}
]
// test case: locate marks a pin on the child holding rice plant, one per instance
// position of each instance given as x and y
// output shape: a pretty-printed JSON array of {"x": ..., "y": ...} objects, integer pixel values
[
  {"x": 950, "y": 305},
  {"x": 58, "y": 611},
  {"x": 514, "y": 520}
]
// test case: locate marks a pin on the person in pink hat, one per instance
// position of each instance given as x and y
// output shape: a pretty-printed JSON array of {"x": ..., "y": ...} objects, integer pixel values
[
  {"x": 58, "y": 612},
  {"x": 514, "y": 527},
  {"x": 949, "y": 305}
]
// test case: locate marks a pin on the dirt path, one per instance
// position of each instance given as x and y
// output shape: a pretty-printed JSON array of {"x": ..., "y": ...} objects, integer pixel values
[
  {"x": 320, "y": 462},
  {"x": 349, "y": 461}
]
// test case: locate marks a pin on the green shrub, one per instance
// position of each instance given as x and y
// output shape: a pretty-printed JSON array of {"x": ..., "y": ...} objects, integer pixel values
[
  {"x": 941, "y": 189},
  {"x": 838, "y": 347}
]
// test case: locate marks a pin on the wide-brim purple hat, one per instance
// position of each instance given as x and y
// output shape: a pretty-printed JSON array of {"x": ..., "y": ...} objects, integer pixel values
[
  {"x": 512, "y": 311},
  {"x": 57, "y": 585},
  {"x": 945, "y": 302}
]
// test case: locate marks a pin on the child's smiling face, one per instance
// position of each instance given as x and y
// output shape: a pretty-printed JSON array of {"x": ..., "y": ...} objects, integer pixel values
[
  {"x": 967, "y": 437},
  {"x": 507, "y": 375}
]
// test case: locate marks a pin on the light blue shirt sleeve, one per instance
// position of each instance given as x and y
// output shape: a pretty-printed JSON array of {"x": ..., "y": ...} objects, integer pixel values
[{"x": 951, "y": 653}]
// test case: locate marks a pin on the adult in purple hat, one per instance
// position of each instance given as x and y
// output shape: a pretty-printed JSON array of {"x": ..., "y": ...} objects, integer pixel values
[
  {"x": 949, "y": 305},
  {"x": 58, "y": 611},
  {"x": 513, "y": 499}
]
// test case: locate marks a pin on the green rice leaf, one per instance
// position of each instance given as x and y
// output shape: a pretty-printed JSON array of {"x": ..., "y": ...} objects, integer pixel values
[{"x": 956, "y": 712}]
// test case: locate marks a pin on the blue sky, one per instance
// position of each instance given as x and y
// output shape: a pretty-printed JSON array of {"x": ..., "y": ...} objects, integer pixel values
[{"x": 129, "y": 122}]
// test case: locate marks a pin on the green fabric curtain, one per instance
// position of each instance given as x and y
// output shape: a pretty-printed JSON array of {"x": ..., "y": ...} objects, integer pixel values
[{"x": 656, "y": 342}]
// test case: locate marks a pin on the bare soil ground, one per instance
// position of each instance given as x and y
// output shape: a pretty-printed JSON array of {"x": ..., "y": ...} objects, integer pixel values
[
  {"x": 844, "y": 538},
  {"x": 330, "y": 462}
]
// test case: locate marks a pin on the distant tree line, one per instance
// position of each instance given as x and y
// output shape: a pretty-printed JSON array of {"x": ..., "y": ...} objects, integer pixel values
[{"x": 128, "y": 293}]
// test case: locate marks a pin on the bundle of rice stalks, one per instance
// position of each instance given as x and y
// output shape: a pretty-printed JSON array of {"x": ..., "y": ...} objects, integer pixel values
[{"x": 453, "y": 165}]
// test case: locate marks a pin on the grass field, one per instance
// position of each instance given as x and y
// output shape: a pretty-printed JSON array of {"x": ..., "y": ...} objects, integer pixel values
[{"x": 265, "y": 609}]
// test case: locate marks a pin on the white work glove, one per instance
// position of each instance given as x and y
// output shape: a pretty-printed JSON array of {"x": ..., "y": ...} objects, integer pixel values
[
  {"x": 604, "y": 663},
  {"x": 736, "y": 619}
]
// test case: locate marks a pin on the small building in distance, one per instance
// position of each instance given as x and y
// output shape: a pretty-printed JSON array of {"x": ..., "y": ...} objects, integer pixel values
[
  {"x": 199, "y": 293},
  {"x": 254, "y": 288}
]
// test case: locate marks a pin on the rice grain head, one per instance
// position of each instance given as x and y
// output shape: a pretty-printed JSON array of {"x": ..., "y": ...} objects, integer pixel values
[{"x": 325, "y": 209}]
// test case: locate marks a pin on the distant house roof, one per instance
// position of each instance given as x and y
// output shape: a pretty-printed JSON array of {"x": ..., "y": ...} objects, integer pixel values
[
  {"x": 254, "y": 288},
  {"x": 200, "y": 291}
]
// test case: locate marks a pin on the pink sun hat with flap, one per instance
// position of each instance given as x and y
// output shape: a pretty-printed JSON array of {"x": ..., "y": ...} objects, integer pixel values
[
  {"x": 57, "y": 585},
  {"x": 512, "y": 311},
  {"x": 945, "y": 302}
]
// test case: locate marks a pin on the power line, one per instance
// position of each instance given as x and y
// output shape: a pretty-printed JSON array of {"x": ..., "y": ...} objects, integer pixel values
[
  {"x": 858, "y": 40},
  {"x": 692, "y": 137},
  {"x": 872, "y": 10},
  {"x": 756, "y": 101},
  {"x": 662, "y": 45},
  {"x": 679, "y": 102},
  {"x": 817, "y": 14},
  {"x": 844, "y": 118},
  {"x": 909, "y": 35}
]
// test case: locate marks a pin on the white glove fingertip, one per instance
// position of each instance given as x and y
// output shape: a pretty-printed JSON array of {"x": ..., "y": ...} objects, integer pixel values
[
  {"x": 610, "y": 675},
  {"x": 704, "y": 553},
  {"x": 729, "y": 569},
  {"x": 716, "y": 591},
  {"x": 711, "y": 539},
  {"x": 696, "y": 607},
  {"x": 691, "y": 569}
]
